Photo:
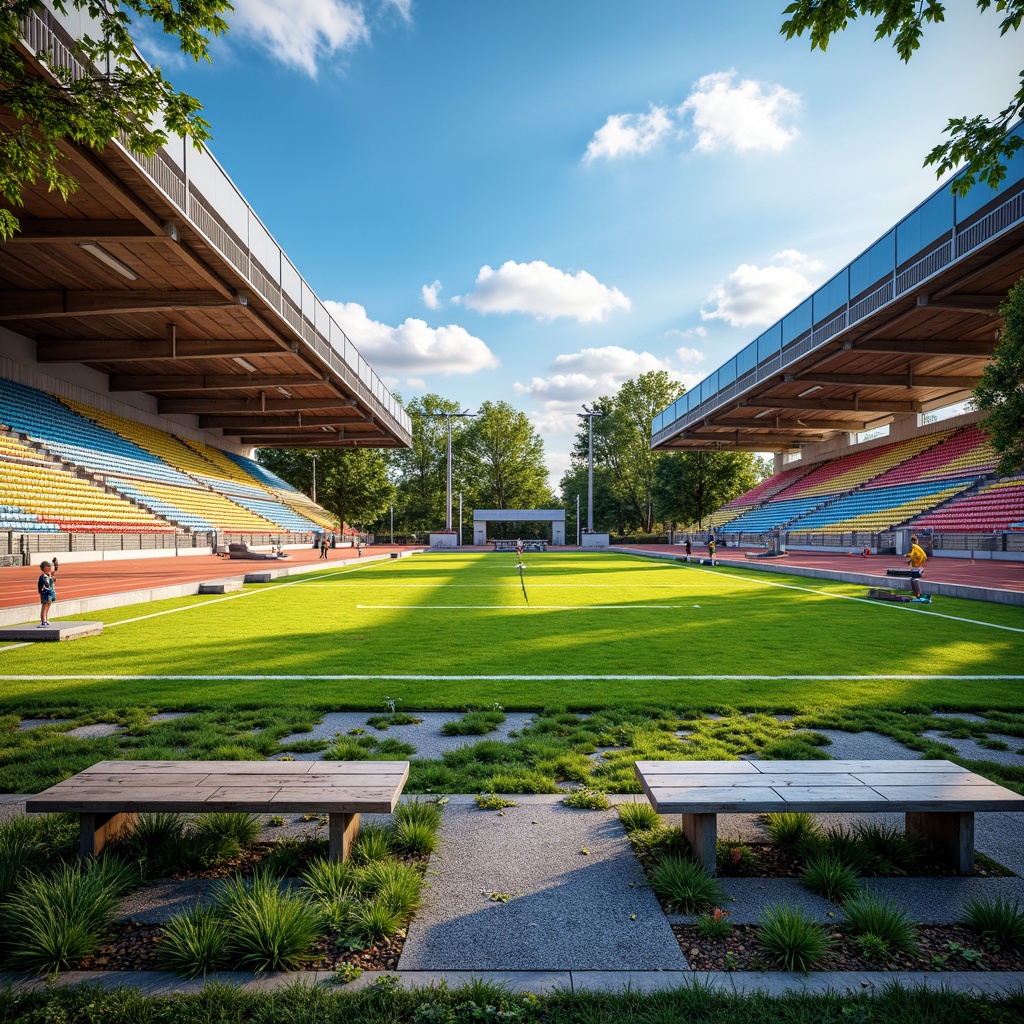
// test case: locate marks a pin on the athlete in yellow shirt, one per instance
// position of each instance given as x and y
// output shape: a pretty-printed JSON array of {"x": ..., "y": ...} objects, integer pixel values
[{"x": 916, "y": 558}]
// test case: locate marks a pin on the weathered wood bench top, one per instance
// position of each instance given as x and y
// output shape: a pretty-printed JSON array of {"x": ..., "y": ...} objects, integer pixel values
[
  {"x": 809, "y": 786},
  {"x": 939, "y": 798},
  {"x": 108, "y": 795}
]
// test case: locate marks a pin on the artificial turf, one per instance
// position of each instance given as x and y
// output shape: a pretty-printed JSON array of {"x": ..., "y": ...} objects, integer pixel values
[{"x": 587, "y": 630}]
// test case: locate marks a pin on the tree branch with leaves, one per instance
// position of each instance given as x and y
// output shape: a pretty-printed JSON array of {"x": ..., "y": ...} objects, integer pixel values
[{"x": 119, "y": 96}]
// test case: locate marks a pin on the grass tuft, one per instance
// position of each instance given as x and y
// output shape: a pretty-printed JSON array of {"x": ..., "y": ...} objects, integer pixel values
[
  {"x": 686, "y": 885},
  {"x": 997, "y": 921},
  {"x": 790, "y": 830},
  {"x": 870, "y": 915},
  {"x": 638, "y": 817},
  {"x": 791, "y": 939},
  {"x": 828, "y": 876}
]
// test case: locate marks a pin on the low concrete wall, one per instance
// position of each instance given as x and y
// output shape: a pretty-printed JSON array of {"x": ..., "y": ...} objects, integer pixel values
[{"x": 117, "y": 555}]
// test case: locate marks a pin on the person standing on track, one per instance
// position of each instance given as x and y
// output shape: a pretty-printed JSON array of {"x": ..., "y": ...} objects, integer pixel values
[
  {"x": 711, "y": 548},
  {"x": 916, "y": 559},
  {"x": 689, "y": 548},
  {"x": 323, "y": 546},
  {"x": 47, "y": 587}
]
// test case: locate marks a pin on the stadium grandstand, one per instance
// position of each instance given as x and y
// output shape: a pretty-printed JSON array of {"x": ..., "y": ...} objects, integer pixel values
[
  {"x": 153, "y": 335},
  {"x": 848, "y": 391}
]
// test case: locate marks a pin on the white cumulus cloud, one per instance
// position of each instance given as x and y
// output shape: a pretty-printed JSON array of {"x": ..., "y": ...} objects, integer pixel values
[
  {"x": 629, "y": 134},
  {"x": 690, "y": 332},
  {"x": 412, "y": 347},
  {"x": 745, "y": 115},
  {"x": 430, "y": 299},
  {"x": 753, "y": 296},
  {"x": 690, "y": 355},
  {"x": 544, "y": 291},
  {"x": 302, "y": 33}
]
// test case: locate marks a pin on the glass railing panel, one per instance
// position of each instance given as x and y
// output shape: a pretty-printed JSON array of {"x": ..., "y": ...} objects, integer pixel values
[
  {"x": 794, "y": 324},
  {"x": 925, "y": 226},
  {"x": 832, "y": 295},
  {"x": 872, "y": 265},
  {"x": 981, "y": 195}
]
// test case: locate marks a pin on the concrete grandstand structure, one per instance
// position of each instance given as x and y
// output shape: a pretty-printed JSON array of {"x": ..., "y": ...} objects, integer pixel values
[
  {"x": 905, "y": 328},
  {"x": 158, "y": 334}
]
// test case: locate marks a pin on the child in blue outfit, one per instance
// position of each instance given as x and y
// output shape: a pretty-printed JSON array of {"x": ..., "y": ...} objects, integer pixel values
[{"x": 47, "y": 587}]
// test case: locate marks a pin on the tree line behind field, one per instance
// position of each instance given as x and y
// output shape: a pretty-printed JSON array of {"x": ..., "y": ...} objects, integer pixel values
[{"x": 498, "y": 461}]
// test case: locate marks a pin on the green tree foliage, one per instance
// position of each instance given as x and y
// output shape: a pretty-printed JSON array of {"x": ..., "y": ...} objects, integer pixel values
[
  {"x": 609, "y": 512},
  {"x": 125, "y": 96},
  {"x": 351, "y": 483},
  {"x": 622, "y": 445},
  {"x": 689, "y": 486},
  {"x": 505, "y": 460},
  {"x": 1000, "y": 392},
  {"x": 979, "y": 142}
]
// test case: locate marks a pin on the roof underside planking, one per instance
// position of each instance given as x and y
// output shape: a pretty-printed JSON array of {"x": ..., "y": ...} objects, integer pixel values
[{"x": 197, "y": 322}]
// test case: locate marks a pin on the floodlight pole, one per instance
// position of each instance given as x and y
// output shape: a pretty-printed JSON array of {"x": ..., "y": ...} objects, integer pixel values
[
  {"x": 392, "y": 524},
  {"x": 579, "y": 525},
  {"x": 460, "y": 519},
  {"x": 448, "y": 490},
  {"x": 314, "y": 479},
  {"x": 590, "y": 414}
]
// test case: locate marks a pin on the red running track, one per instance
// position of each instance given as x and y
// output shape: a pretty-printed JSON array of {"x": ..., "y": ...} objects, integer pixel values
[
  {"x": 962, "y": 571},
  {"x": 92, "y": 579}
]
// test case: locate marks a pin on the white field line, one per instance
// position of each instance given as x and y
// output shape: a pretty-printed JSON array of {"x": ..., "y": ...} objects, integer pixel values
[
  {"x": 491, "y": 586},
  {"x": 487, "y": 678},
  {"x": 915, "y": 609},
  {"x": 205, "y": 604},
  {"x": 518, "y": 607}
]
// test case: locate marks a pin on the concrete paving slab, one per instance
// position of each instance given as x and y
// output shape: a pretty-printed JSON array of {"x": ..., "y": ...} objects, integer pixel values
[
  {"x": 566, "y": 910},
  {"x": 648, "y": 981},
  {"x": 941, "y": 900},
  {"x": 53, "y": 633}
]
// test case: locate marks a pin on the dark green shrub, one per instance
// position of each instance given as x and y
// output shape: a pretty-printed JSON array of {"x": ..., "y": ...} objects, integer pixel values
[
  {"x": 372, "y": 843},
  {"x": 398, "y": 885},
  {"x": 869, "y": 915},
  {"x": 686, "y": 885},
  {"x": 425, "y": 812},
  {"x": 636, "y": 817},
  {"x": 830, "y": 877},
  {"x": 888, "y": 850},
  {"x": 999, "y": 922},
  {"x": 414, "y": 838},
  {"x": 158, "y": 842},
  {"x": 243, "y": 828},
  {"x": 330, "y": 879},
  {"x": 52, "y": 921},
  {"x": 791, "y": 940},
  {"x": 789, "y": 830},
  {"x": 195, "y": 943}
]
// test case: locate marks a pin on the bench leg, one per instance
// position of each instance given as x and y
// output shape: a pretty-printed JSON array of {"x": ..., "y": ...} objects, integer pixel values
[
  {"x": 97, "y": 829},
  {"x": 951, "y": 831},
  {"x": 342, "y": 831},
  {"x": 702, "y": 832}
]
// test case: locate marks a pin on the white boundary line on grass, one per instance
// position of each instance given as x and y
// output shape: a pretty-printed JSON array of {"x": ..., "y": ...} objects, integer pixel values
[
  {"x": 498, "y": 678},
  {"x": 264, "y": 588},
  {"x": 518, "y": 607},
  {"x": 916, "y": 609}
]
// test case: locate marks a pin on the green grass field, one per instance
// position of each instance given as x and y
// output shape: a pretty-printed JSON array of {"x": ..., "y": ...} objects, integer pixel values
[{"x": 589, "y": 631}]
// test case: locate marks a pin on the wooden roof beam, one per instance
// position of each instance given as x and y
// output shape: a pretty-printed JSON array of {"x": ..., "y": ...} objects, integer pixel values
[
  {"x": 72, "y": 231},
  {"x": 968, "y": 303},
  {"x": 144, "y": 350},
  {"x": 779, "y": 423},
  {"x": 56, "y": 304},
  {"x": 888, "y": 380},
  {"x": 246, "y": 424},
  {"x": 925, "y": 347},
  {"x": 815, "y": 404},
  {"x": 211, "y": 406},
  {"x": 209, "y": 381}
]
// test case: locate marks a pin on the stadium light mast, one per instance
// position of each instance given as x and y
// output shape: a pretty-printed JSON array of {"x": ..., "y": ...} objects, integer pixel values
[
  {"x": 314, "y": 478},
  {"x": 465, "y": 414},
  {"x": 590, "y": 414}
]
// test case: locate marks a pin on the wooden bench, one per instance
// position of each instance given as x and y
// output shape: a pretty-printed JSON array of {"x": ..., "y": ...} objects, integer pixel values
[
  {"x": 108, "y": 796},
  {"x": 938, "y": 798}
]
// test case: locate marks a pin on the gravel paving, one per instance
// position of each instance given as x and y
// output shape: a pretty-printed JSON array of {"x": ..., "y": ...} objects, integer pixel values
[
  {"x": 95, "y": 732},
  {"x": 971, "y": 749},
  {"x": 941, "y": 900},
  {"x": 426, "y": 737},
  {"x": 558, "y": 908},
  {"x": 872, "y": 746}
]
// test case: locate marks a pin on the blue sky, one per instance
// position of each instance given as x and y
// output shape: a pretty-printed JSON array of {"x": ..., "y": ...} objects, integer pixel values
[{"x": 535, "y": 200}]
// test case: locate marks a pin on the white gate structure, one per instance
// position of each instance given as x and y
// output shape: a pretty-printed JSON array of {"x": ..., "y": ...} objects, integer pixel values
[{"x": 483, "y": 516}]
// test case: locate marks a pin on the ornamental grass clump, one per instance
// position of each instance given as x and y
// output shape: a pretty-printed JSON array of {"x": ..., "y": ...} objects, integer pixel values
[
  {"x": 636, "y": 817},
  {"x": 19, "y": 854},
  {"x": 789, "y": 830},
  {"x": 686, "y": 885},
  {"x": 889, "y": 850},
  {"x": 52, "y": 921},
  {"x": 330, "y": 880},
  {"x": 791, "y": 939},
  {"x": 837, "y": 842},
  {"x": 828, "y": 876},
  {"x": 587, "y": 800},
  {"x": 373, "y": 843},
  {"x": 195, "y": 942},
  {"x": 474, "y": 723},
  {"x": 998, "y": 921},
  {"x": 884, "y": 920}
]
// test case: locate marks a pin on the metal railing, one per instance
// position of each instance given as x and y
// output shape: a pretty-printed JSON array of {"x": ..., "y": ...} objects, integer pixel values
[{"x": 42, "y": 34}]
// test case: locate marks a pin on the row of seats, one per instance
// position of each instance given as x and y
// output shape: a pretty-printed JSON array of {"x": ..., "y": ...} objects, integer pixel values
[
  {"x": 996, "y": 507},
  {"x": 963, "y": 453},
  {"x": 48, "y": 495},
  {"x": 195, "y": 508}
]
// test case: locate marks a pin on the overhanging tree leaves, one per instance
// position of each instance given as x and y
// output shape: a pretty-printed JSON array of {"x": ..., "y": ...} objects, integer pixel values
[
  {"x": 1000, "y": 392},
  {"x": 980, "y": 143},
  {"x": 124, "y": 95}
]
